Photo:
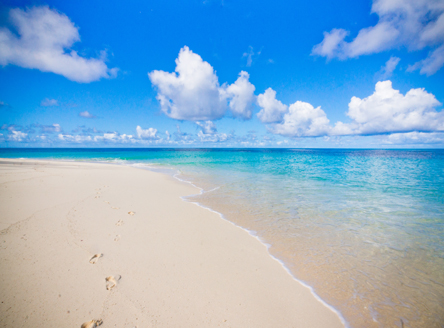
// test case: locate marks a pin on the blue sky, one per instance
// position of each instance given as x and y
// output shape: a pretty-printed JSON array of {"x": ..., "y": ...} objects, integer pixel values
[{"x": 222, "y": 74}]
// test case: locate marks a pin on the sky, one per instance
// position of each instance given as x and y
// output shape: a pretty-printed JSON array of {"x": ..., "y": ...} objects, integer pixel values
[{"x": 222, "y": 73}]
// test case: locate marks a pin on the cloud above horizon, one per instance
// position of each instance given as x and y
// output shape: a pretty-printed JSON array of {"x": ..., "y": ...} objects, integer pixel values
[
  {"x": 386, "y": 111},
  {"x": 193, "y": 92},
  {"x": 300, "y": 119},
  {"x": 389, "y": 111},
  {"x": 149, "y": 133},
  {"x": 44, "y": 41},
  {"x": 412, "y": 24}
]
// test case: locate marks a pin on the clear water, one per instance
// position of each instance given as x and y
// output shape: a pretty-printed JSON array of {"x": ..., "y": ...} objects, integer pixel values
[{"x": 365, "y": 228}]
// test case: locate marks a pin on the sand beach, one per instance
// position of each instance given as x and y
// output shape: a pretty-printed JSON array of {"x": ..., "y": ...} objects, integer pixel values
[{"x": 83, "y": 241}]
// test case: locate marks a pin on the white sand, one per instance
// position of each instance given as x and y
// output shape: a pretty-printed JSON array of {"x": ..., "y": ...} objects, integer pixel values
[{"x": 180, "y": 265}]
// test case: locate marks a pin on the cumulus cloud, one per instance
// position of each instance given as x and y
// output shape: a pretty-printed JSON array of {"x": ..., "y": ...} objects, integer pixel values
[
  {"x": 387, "y": 70},
  {"x": 241, "y": 95},
  {"x": 300, "y": 119},
  {"x": 150, "y": 133},
  {"x": 193, "y": 91},
  {"x": 43, "y": 41},
  {"x": 272, "y": 110},
  {"x": 410, "y": 23},
  {"x": 389, "y": 111},
  {"x": 386, "y": 111},
  {"x": 86, "y": 114},
  {"x": 49, "y": 102}
]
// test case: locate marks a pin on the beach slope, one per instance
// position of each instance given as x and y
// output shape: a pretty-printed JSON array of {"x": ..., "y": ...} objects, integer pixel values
[{"x": 161, "y": 261}]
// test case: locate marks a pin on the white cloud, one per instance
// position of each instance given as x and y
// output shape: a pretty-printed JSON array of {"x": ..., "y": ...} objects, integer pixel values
[
  {"x": 372, "y": 40},
  {"x": 272, "y": 110},
  {"x": 388, "y": 111},
  {"x": 150, "y": 133},
  {"x": 86, "y": 114},
  {"x": 17, "y": 136},
  {"x": 332, "y": 44},
  {"x": 241, "y": 94},
  {"x": 44, "y": 42},
  {"x": 302, "y": 120},
  {"x": 387, "y": 70},
  {"x": 49, "y": 102},
  {"x": 430, "y": 65},
  {"x": 414, "y": 138},
  {"x": 207, "y": 127},
  {"x": 410, "y": 23},
  {"x": 193, "y": 92}
]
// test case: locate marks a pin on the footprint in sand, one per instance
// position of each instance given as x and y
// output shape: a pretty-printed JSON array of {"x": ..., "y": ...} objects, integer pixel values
[
  {"x": 92, "y": 324},
  {"x": 131, "y": 213},
  {"x": 119, "y": 223},
  {"x": 111, "y": 282},
  {"x": 95, "y": 258},
  {"x": 117, "y": 238}
]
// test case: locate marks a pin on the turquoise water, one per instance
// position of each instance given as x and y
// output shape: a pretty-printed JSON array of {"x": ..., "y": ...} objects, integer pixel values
[{"x": 365, "y": 228}]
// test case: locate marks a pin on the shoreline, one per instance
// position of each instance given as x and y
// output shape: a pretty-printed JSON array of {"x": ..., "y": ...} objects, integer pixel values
[
  {"x": 275, "y": 279},
  {"x": 260, "y": 240}
]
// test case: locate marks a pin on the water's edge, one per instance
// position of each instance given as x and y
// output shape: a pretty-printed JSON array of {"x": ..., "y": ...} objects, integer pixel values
[{"x": 253, "y": 234}]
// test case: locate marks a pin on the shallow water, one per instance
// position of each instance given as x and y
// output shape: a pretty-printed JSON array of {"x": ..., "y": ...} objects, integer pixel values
[{"x": 365, "y": 228}]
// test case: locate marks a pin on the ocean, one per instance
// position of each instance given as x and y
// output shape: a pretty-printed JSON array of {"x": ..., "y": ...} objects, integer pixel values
[{"x": 363, "y": 228}]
